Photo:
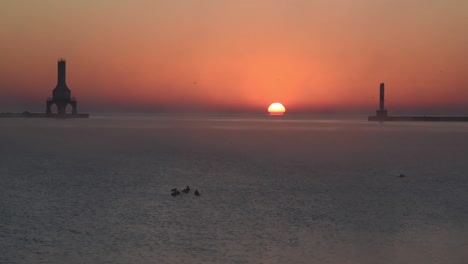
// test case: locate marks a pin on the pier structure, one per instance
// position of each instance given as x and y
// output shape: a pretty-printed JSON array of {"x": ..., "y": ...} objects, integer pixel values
[
  {"x": 61, "y": 95},
  {"x": 382, "y": 115}
]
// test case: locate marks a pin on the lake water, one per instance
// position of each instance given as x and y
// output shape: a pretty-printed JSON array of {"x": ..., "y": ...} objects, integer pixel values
[{"x": 273, "y": 190}]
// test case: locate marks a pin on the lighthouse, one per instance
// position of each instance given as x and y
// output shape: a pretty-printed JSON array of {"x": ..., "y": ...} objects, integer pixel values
[
  {"x": 61, "y": 95},
  {"x": 382, "y": 112}
]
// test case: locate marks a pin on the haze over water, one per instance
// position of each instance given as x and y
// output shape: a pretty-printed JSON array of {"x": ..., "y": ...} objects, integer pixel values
[{"x": 290, "y": 189}]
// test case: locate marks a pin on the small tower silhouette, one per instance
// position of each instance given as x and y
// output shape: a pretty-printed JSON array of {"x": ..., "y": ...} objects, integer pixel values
[
  {"x": 61, "y": 95},
  {"x": 382, "y": 112}
]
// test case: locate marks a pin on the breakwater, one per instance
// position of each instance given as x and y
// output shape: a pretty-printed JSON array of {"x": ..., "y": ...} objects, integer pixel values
[
  {"x": 420, "y": 118},
  {"x": 41, "y": 115}
]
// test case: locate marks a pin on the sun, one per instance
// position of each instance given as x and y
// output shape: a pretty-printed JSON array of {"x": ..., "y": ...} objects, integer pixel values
[{"x": 276, "y": 109}]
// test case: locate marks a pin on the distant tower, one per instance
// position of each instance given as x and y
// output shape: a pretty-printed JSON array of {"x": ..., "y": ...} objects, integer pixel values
[
  {"x": 382, "y": 112},
  {"x": 61, "y": 95}
]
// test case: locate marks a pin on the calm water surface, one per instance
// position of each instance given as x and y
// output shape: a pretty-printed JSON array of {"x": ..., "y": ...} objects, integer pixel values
[{"x": 274, "y": 190}]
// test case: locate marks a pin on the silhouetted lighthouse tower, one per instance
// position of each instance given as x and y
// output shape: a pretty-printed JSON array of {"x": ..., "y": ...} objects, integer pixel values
[
  {"x": 382, "y": 112},
  {"x": 61, "y": 95}
]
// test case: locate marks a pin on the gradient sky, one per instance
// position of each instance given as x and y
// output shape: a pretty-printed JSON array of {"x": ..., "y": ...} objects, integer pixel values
[{"x": 211, "y": 55}]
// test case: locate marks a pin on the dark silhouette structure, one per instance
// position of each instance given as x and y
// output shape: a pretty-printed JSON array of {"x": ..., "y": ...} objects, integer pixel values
[
  {"x": 382, "y": 112},
  {"x": 382, "y": 115},
  {"x": 61, "y": 95}
]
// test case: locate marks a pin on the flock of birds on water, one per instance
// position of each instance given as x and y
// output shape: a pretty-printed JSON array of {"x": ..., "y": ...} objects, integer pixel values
[{"x": 175, "y": 192}]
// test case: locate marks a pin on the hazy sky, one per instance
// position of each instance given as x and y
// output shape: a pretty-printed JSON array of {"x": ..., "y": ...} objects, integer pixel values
[{"x": 236, "y": 55}]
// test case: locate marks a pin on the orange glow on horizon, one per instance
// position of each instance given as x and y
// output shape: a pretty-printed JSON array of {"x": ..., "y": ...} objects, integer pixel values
[{"x": 163, "y": 56}]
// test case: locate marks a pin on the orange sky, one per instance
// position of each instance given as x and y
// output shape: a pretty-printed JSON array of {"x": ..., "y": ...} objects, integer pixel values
[{"x": 239, "y": 55}]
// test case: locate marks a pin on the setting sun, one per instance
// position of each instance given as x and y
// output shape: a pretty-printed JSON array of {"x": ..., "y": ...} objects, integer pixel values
[{"x": 276, "y": 109}]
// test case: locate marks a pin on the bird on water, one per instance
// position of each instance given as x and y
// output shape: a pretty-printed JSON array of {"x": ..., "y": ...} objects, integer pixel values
[
  {"x": 186, "y": 190},
  {"x": 175, "y": 192}
]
